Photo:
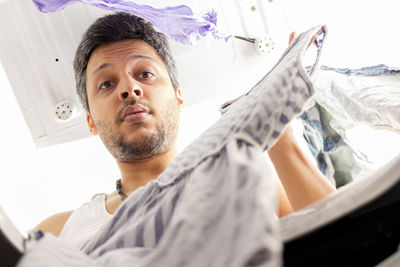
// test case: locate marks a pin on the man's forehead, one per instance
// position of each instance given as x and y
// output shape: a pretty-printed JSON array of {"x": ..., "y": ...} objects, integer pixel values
[{"x": 126, "y": 49}]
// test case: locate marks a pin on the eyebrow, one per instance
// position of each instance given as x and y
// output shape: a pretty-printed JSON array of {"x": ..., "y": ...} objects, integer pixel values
[{"x": 134, "y": 57}]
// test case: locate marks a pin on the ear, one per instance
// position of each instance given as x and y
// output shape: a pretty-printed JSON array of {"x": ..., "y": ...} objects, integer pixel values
[
  {"x": 179, "y": 97},
  {"x": 90, "y": 123}
]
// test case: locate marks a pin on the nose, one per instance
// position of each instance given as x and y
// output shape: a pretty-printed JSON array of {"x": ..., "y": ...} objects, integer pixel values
[
  {"x": 136, "y": 92},
  {"x": 130, "y": 88}
]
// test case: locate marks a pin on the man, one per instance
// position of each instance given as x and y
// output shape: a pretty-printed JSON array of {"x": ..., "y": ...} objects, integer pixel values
[{"x": 126, "y": 80}]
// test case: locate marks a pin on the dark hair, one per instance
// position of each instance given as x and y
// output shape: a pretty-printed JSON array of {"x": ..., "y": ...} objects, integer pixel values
[{"x": 113, "y": 28}]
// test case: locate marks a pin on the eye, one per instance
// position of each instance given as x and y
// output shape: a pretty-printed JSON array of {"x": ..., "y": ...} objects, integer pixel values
[
  {"x": 105, "y": 85},
  {"x": 146, "y": 75}
]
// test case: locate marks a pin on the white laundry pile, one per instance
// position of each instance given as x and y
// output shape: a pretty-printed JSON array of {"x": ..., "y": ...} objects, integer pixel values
[{"x": 346, "y": 98}]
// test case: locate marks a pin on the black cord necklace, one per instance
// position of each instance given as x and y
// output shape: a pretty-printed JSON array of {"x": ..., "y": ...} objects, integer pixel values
[{"x": 119, "y": 190}]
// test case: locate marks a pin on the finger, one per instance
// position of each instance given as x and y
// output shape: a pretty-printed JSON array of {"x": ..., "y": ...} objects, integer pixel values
[
  {"x": 291, "y": 37},
  {"x": 314, "y": 38}
]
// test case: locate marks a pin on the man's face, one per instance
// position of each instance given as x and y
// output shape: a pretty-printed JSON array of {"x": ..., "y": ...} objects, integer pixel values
[{"x": 133, "y": 105}]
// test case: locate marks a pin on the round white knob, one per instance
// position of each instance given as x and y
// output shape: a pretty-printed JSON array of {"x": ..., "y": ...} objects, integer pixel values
[
  {"x": 65, "y": 111},
  {"x": 264, "y": 45}
]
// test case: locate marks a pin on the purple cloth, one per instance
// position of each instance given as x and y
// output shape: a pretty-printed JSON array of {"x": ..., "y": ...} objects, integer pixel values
[{"x": 177, "y": 22}]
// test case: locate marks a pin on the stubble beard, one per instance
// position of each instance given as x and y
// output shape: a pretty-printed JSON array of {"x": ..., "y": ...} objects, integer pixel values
[{"x": 144, "y": 147}]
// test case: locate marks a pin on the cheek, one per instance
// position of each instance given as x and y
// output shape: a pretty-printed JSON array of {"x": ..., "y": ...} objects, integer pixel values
[
  {"x": 163, "y": 102},
  {"x": 101, "y": 111},
  {"x": 102, "y": 107}
]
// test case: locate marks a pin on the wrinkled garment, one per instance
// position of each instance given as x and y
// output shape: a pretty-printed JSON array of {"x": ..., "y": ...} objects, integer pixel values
[
  {"x": 336, "y": 158},
  {"x": 177, "y": 22},
  {"x": 376, "y": 70},
  {"x": 215, "y": 204},
  {"x": 344, "y": 98},
  {"x": 369, "y": 95}
]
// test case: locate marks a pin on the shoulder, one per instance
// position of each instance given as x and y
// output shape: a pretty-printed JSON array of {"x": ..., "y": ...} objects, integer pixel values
[{"x": 54, "y": 224}]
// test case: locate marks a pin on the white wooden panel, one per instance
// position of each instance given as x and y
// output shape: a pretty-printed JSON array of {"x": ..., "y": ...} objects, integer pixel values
[{"x": 38, "y": 51}]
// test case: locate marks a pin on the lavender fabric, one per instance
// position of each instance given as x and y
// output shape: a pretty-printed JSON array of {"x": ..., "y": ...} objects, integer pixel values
[{"x": 177, "y": 22}]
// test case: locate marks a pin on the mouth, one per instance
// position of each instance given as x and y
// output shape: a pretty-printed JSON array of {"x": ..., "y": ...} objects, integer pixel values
[{"x": 135, "y": 113}]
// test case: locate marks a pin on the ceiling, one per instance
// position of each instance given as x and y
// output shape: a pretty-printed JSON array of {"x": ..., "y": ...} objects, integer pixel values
[{"x": 37, "y": 50}]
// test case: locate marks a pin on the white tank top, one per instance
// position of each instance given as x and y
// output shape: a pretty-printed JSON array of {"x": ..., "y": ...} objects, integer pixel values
[{"x": 86, "y": 221}]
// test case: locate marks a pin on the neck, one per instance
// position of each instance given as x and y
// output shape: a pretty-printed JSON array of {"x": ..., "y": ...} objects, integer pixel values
[{"x": 138, "y": 173}]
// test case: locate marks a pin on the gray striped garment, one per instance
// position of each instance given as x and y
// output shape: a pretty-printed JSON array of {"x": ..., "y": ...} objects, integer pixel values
[{"x": 215, "y": 204}]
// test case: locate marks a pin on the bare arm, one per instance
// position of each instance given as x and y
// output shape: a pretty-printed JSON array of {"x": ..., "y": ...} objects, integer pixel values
[
  {"x": 54, "y": 224},
  {"x": 301, "y": 180},
  {"x": 284, "y": 206}
]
